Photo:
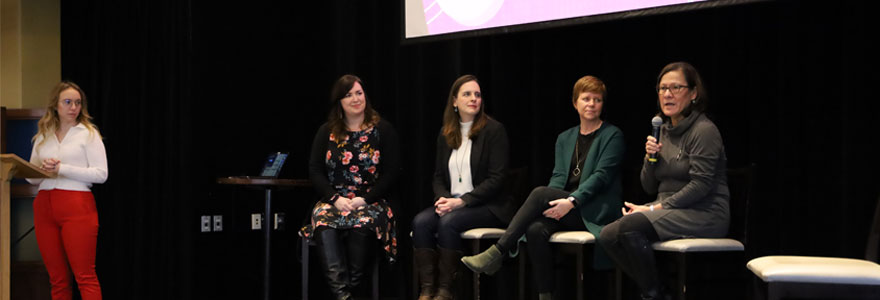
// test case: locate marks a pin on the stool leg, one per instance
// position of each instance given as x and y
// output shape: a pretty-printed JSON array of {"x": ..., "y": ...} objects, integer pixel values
[
  {"x": 681, "y": 285},
  {"x": 475, "y": 247},
  {"x": 580, "y": 272},
  {"x": 618, "y": 284},
  {"x": 415, "y": 279},
  {"x": 521, "y": 274},
  {"x": 376, "y": 277},
  {"x": 305, "y": 268}
]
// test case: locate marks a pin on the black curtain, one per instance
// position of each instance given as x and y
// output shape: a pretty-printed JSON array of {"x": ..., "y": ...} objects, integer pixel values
[
  {"x": 188, "y": 92},
  {"x": 134, "y": 61}
]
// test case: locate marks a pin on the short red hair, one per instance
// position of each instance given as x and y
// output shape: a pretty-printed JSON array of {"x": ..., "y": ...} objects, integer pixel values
[{"x": 587, "y": 83}]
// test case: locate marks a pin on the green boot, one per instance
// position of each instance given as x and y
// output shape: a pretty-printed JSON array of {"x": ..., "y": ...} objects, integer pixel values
[
  {"x": 545, "y": 296},
  {"x": 488, "y": 261}
]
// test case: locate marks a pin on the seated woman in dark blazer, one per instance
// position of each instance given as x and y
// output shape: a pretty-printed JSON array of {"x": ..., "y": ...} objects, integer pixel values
[
  {"x": 583, "y": 194},
  {"x": 353, "y": 166},
  {"x": 470, "y": 166}
]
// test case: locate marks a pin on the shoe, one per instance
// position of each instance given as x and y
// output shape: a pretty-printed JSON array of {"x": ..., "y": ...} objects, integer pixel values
[
  {"x": 426, "y": 266},
  {"x": 360, "y": 245},
  {"x": 488, "y": 261},
  {"x": 447, "y": 269},
  {"x": 641, "y": 257},
  {"x": 332, "y": 259}
]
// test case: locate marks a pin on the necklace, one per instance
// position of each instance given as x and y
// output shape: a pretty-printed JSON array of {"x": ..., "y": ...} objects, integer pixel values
[
  {"x": 459, "y": 162},
  {"x": 577, "y": 153},
  {"x": 577, "y": 159}
]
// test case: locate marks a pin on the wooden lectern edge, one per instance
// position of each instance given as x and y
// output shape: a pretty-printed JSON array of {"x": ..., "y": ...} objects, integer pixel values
[{"x": 9, "y": 157}]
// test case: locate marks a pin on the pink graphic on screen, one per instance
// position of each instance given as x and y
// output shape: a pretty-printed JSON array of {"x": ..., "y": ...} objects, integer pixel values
[{"x": 445, "y": 16}]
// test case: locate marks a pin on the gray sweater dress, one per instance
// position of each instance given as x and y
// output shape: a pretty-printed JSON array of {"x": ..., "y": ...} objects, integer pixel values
[{"x": 690, "y": 179}]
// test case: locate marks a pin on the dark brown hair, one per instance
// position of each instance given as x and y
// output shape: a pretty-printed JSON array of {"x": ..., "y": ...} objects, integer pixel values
[
  {"x": 451, "y": 119},
  {"x": 694, "y": 82},
  {"x": 336, "y": 117}
]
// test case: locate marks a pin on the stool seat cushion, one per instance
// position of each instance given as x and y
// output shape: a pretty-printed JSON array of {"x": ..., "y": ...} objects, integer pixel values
[
  {"x": 809, "y": 269},
  {"x": 699, "y": 245},
  {"x": 573, "y": 237},
  {"x": 483, "y": 233}
]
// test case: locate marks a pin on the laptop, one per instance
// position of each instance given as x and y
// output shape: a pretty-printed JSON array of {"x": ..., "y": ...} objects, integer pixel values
[{"x": 272, "y": 166}]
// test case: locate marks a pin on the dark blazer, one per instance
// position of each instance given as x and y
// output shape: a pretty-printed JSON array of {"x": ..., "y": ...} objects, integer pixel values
[{"x": 489, "y": 158}]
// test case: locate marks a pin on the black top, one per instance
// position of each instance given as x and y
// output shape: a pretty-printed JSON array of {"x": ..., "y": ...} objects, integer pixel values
[
  {"x": 489, "y": 155},
  {"x": 582, "y": 149},
  {"x": 365, "y": 164}
]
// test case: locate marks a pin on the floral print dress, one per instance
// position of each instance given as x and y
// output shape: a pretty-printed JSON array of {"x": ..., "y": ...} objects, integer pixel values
[{"x": 352, "y": 170}]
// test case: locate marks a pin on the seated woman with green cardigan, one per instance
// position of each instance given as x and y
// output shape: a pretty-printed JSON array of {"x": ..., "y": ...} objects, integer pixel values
[{"x": 583, "y": 194}]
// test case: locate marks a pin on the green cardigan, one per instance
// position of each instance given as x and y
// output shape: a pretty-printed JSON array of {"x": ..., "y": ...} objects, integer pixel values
[{"x": 599, "y": 190}]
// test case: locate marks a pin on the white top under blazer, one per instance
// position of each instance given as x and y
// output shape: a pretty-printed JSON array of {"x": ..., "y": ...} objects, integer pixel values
[
  {"x": 83, "y": 160},
  {"x": 460, "y": 164}
]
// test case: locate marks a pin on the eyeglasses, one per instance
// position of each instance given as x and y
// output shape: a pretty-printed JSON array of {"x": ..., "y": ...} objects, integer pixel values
[
  {"x": 68, "y": 102},
  {"x": 675, "y": 89}
]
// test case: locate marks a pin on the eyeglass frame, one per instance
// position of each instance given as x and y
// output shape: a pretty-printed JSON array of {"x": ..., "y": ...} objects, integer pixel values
[
  {"x": 69, "y": 102},
  {"x": 675, "y": 89}
]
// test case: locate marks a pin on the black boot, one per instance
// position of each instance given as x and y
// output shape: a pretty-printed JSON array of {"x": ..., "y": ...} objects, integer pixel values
[
  {"x": 641, "y": 259},
  {"x": 333, "y": 261},
  {"x": 360, "y": 243},
  {"x": 426, "y": 265},
  {"x": 448, "y": 267}
]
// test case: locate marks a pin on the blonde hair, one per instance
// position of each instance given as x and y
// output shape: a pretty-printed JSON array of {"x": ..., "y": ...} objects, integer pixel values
[{"x": 50, "y": 122}]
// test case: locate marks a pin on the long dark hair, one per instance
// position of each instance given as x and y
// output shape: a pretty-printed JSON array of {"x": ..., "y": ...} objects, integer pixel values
[
  {"x": 694, "y": 82},
  {"x": 451, "y": 119},
  {"x": 336, "y": 117}
]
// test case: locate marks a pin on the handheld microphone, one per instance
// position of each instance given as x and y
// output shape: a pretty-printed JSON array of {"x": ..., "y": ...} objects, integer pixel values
[{"x": 655, "y": 123}]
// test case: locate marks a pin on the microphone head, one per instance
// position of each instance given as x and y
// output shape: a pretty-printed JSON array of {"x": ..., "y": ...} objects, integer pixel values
[{"x": 656, "y": 122}]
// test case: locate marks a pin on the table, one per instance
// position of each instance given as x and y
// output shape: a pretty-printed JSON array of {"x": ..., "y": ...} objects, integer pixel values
[{"x": 267, "y": 184}]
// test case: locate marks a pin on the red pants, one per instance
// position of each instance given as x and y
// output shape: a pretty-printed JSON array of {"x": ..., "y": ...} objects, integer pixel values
[{"x": 66, "y": 224}]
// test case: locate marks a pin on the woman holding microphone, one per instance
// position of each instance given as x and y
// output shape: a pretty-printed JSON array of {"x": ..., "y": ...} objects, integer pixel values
[{"x": 689, "y": 178}]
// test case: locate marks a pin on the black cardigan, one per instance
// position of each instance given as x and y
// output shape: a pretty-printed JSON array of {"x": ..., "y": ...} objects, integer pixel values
[
  {"x": 489, "y": 158},
  {"x": 389, "y": 168}
]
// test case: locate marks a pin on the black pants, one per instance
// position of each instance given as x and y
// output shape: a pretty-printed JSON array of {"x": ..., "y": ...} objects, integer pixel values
[
  {"x": 628, "y": 242},
  {"x": 449, "y": 227},
  {"x": 529, "y": 220}
]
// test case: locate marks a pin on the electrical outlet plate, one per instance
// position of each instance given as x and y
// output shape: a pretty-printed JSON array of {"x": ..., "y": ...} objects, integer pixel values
[
  {"x": 279, "y": 221},
  {"x": 206, "y": 223},
  {"x": 256, "y": 221},
  {"x": 218, "y": 222}
]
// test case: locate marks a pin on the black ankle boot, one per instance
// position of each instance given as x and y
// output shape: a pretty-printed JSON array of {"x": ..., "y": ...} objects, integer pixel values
[
  {"x": 426, "y": 266},
  {"x": 332, "y": 259},
  {"x": 360, "y": 244},
  {"x": 641, "y": 259}
]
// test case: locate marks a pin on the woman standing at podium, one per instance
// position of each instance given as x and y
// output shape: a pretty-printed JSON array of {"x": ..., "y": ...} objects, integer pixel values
[
  {"x": 68, "y": 145},
  {"x": 353, "y": 165}
]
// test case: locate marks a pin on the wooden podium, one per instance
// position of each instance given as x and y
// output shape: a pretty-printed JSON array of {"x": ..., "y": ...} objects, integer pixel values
[{"x": 11, "y": 166}]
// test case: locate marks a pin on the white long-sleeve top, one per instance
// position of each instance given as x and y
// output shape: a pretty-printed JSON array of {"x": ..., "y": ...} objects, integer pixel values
[
  {"x": 460, "y": 164},
  {"x": 83, "y": 160}
]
